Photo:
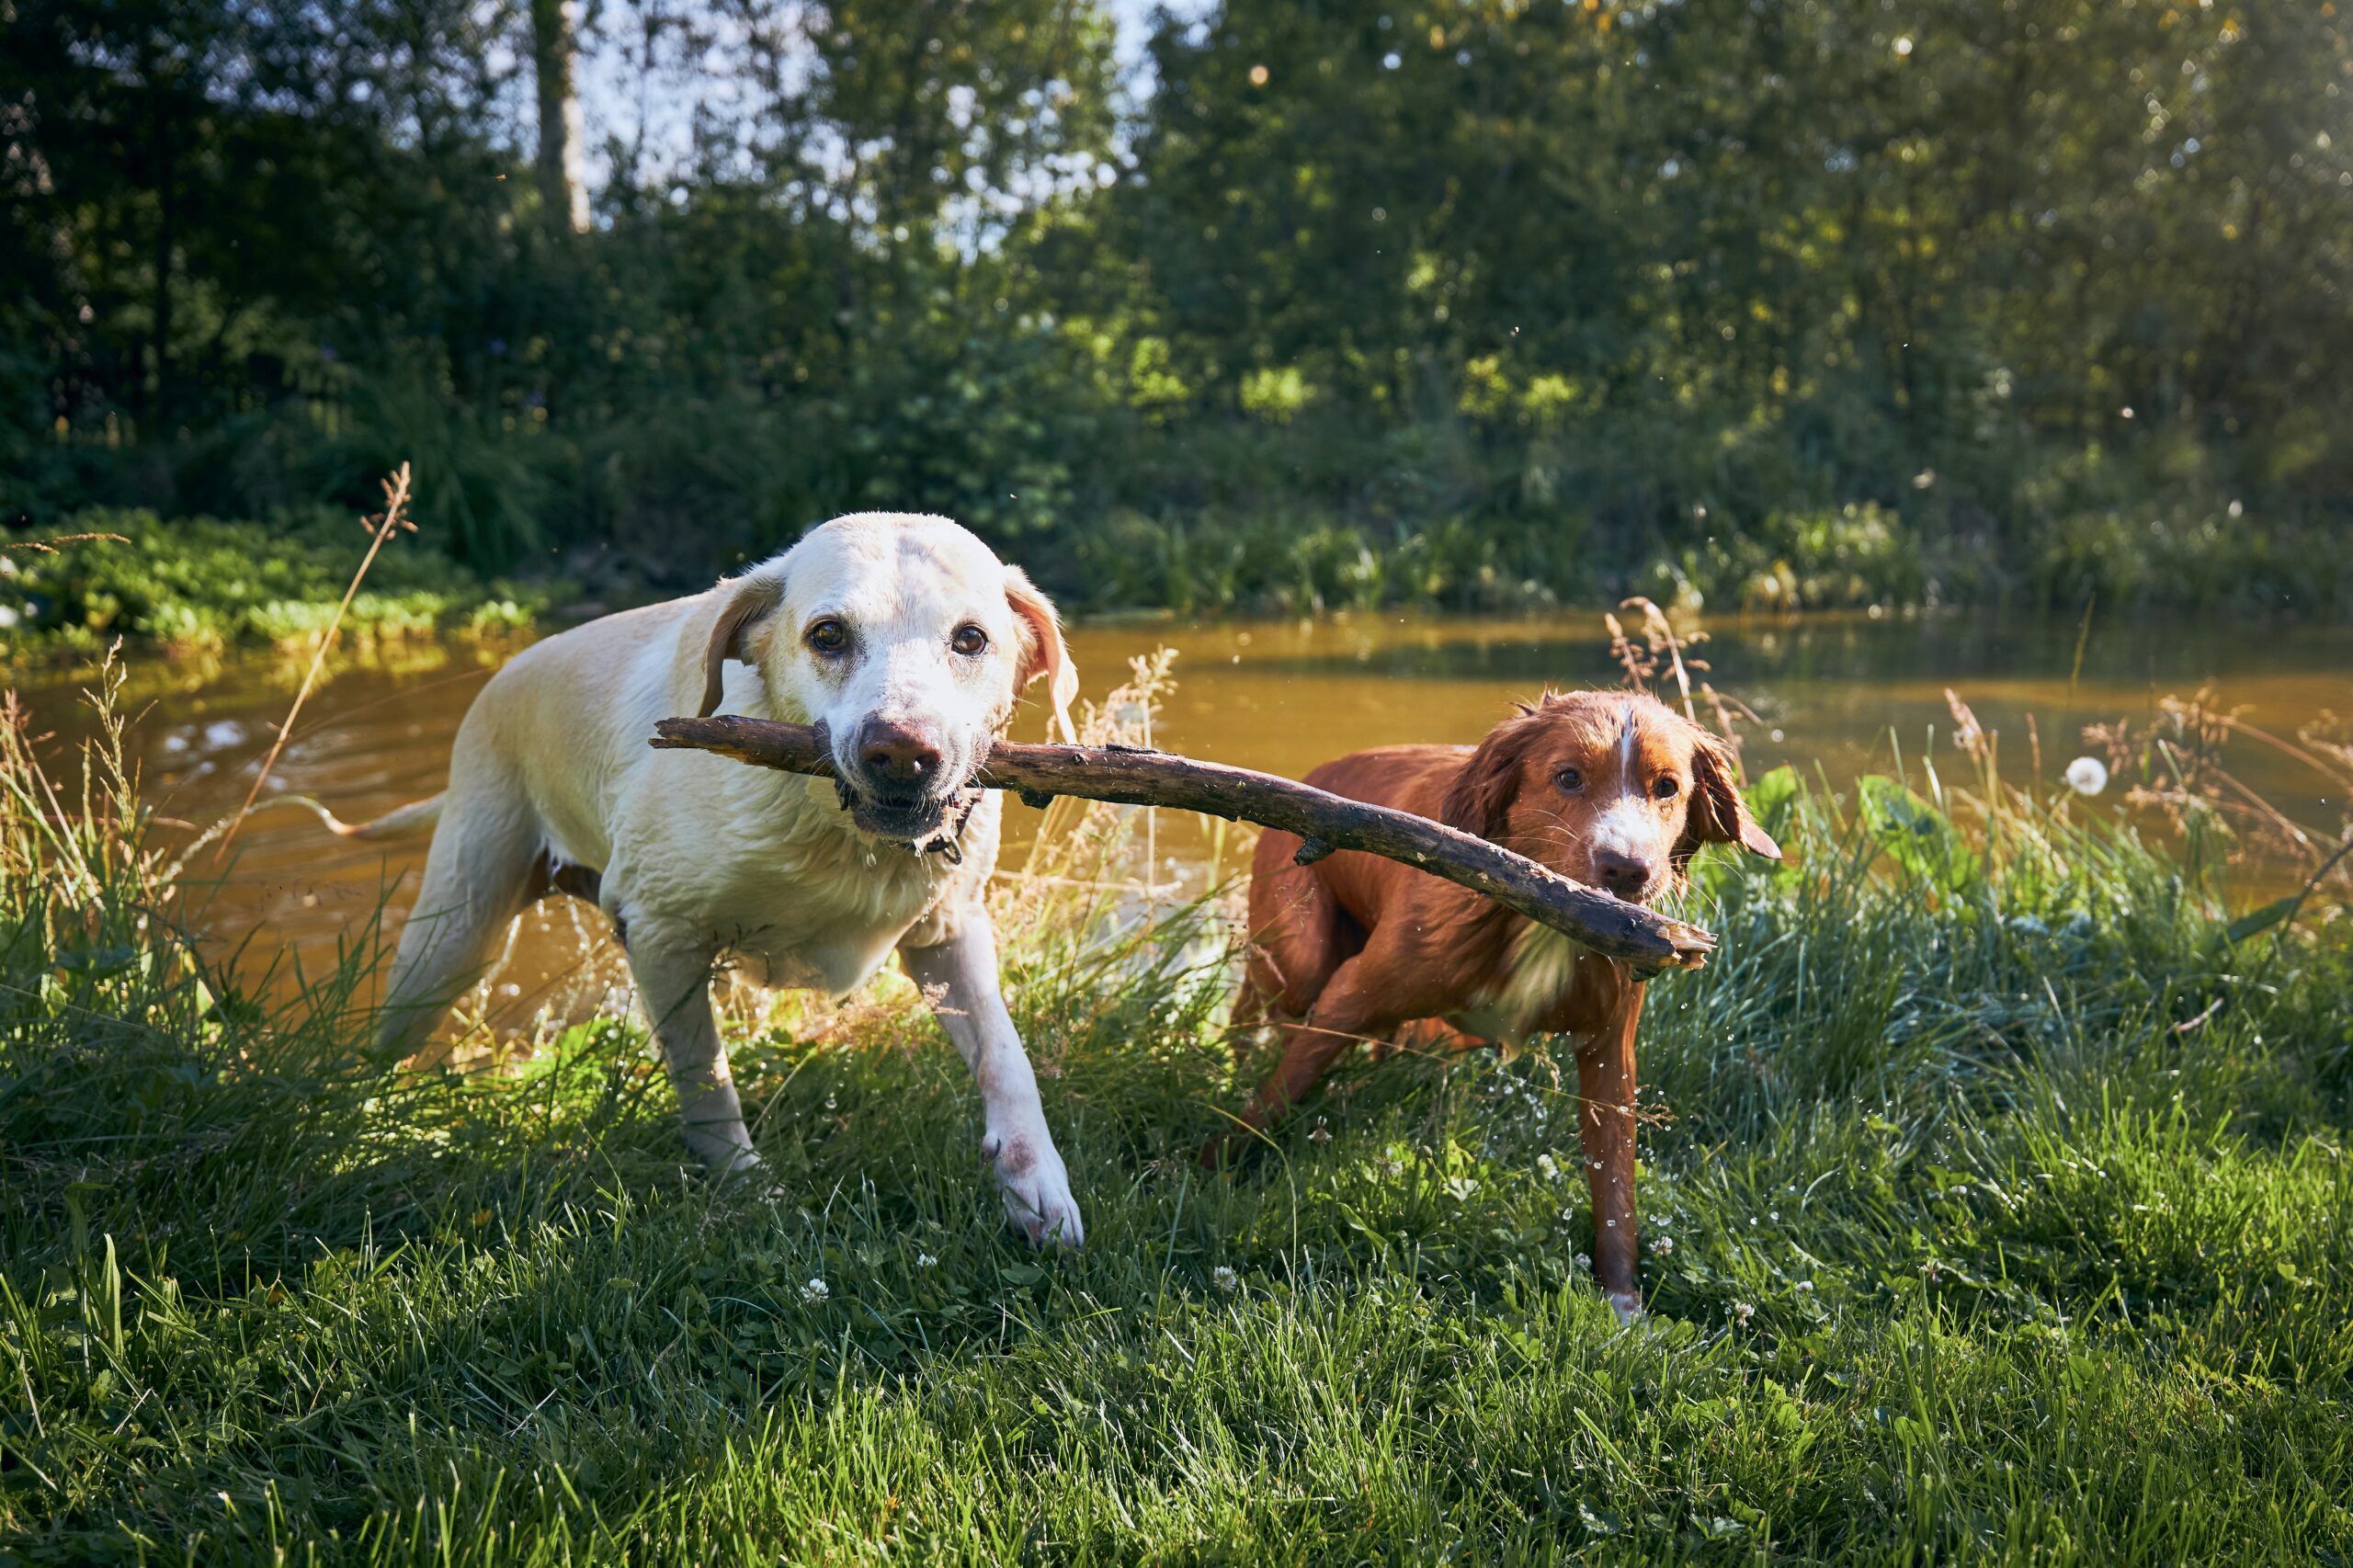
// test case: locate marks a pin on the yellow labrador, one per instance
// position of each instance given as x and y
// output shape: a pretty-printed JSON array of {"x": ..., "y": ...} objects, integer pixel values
[{"x": 910, "y": 642}]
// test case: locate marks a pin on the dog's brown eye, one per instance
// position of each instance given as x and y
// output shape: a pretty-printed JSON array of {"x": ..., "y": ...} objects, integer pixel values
[
  {"x": 1569, "y": 779},
  {"x": 1666, "y": 787},
  {"x": 970, "y": 640},
  {"x": 828, "y": 636}
]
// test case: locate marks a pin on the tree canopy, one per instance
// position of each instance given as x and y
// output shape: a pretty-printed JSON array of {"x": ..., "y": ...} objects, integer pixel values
[{"x": 1788, "y": 301}]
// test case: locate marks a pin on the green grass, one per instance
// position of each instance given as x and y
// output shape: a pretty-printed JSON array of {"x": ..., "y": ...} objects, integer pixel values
[
  {"x": 202, "y": 584},
  {"x": 1962, "y": 1247}
]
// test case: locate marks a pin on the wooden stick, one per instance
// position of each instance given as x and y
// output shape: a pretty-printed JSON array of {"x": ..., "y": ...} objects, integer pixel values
[{"x": 1642, "y": 938}]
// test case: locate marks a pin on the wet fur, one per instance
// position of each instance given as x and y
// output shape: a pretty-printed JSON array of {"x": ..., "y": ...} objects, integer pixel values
[{"x": 1354, "y": 947}]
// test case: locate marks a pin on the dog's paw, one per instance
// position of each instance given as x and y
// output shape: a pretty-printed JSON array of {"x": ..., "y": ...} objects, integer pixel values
[
  {"x": 1628, "y": 1306},
  {"x": 739, "y": 1172},
  {"x": 1036, "y": 1187}
]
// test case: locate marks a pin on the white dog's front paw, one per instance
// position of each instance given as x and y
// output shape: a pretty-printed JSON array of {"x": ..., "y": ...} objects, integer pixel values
[
  {"x": 740, "y": 1172},
  {"x": 725, "y": 1150},
  {"x": 1036, "y": 1187}
]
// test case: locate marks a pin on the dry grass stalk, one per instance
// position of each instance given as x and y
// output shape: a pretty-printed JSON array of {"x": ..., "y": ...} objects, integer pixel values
[
  {"x": 49, "y": 546},
  {"x": 396, "y": 494},
  {"x": 2177, "y": 764},
  {"x": 69, "y": 853},
  {"x": 1663, "y": 649}
]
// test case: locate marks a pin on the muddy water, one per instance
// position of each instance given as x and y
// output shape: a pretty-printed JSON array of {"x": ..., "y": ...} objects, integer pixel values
[{"x": 1837, "y": 695}]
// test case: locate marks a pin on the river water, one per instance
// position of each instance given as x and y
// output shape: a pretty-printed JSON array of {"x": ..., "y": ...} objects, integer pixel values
[{"x": 1835, "y": 695}]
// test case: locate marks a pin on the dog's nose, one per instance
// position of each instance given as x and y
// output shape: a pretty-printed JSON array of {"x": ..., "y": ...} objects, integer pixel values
[
  {"x": 896, "y": 754},
  {"x": 1628, "y": 876}
]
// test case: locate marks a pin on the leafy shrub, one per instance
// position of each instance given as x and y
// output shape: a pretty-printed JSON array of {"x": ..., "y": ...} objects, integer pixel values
[{"x": 204, "y": 584}]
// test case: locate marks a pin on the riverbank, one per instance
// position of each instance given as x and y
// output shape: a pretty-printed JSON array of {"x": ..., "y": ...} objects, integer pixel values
[
  {"x": 1838, "y": 696},
  {"x": 1995, "y": 1204},
  {"x": 205, "y": 586}
]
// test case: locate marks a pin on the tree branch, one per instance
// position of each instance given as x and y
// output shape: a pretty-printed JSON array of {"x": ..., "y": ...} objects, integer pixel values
[{"x": 1642, "y": 938}]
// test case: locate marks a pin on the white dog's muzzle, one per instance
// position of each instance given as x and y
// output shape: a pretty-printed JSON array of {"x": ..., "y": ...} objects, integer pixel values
[{"x": 906, "y": 783}]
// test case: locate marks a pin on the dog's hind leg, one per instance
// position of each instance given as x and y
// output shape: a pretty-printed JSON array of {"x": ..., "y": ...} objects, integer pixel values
[
  {"x": 477, "y": 879},
  {"x": 672, "y": 968},
  {"x": 1344, "y": 1014},
  {"x": 1299, "y": 937}
]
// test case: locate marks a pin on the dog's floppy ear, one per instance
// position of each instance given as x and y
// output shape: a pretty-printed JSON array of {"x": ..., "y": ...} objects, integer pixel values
[
  {"x": 753, "y": 598},
  {"x": 1480, "y": 797},
  {"x": 1718, "y": 814},
  {"x": 1042, "y": 651}
]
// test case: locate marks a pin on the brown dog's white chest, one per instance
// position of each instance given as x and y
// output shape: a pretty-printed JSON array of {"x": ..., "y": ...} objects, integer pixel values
[{"x": 1536, "y": 992}]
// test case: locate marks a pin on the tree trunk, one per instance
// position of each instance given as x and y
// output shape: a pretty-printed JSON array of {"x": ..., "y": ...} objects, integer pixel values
[
  {"x": 159, "y": 403},
  {"x": 564, "y": 192}
]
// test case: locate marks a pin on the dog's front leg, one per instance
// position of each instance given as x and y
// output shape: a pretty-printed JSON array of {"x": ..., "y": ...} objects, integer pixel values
[
  {"x": 1606, "y": 1119},
  {"x": 959, "y": 980},
  {"x": 673, "y": 975}
]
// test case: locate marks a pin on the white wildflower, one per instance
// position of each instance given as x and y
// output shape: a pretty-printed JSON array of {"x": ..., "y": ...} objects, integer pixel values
[
  {"x": 1804, "y": 1286},
  {"x": 815, "y": 1292},
  {"x": 1743, "y": 1311},
  {"x": 2087, "y": 776},
  {"x": 1584, "y": 1260},
  {"x": 1548, "y": 1167},
  {"x": 1664, "y": 1245},
  {"x": 1225, "y": 1279},
  {"x": 924, "y": 1260}
]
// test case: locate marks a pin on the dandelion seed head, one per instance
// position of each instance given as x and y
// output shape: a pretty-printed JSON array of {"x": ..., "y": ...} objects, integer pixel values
[{"x": 2087, "y": 776}]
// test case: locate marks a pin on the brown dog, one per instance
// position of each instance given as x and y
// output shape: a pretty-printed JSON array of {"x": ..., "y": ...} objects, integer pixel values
[{"x": 1612, "y": 789}]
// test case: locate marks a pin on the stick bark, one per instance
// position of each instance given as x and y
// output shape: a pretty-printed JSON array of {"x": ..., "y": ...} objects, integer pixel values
[{"x": 1642, "y": 938}]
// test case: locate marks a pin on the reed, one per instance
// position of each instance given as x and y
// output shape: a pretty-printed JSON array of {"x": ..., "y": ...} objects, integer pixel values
[{"x": 380, "y": 530}]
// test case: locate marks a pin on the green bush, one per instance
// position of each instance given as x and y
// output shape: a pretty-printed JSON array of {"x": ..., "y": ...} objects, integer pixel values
[{"x": 204, "y": 584}]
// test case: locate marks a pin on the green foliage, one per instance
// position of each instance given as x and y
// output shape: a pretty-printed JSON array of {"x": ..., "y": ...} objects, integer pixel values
[
  {"x": 199, "y": 584},
  {"x": 2000, "y": 1215},
  {"x": 1363, "y": 302}
]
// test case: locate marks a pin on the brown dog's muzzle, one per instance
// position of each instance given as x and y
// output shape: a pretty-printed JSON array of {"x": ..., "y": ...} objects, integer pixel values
[{"x": 1629, "y": 877}]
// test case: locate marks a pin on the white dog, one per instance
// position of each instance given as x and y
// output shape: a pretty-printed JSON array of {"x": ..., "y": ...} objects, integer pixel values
[{"x": 910, "y": 642}]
